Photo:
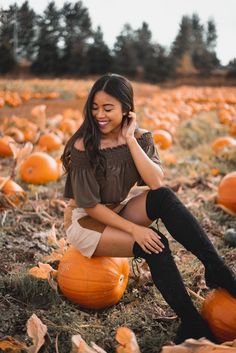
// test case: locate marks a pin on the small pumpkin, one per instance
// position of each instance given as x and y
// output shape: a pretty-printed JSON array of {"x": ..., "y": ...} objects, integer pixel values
[
  {"x": 39, "y": 168},
  {"x": 230, "y": 237},
  {"x": 222, "y": 142},
  {"x": 50, "y": 141},
  {"x": 226, "y": 193},
  {"x": 162, "y": 138},
  {"x": 12, "y": 190},
  {"x": 93, "y": 283},
  {"x": 5, "y": 150},
  {"x": 219, "y": 310}
]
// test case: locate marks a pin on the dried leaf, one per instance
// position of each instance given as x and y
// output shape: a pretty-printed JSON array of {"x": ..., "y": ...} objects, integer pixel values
[
  {"x": 54, "y": 256},
  {"x": 36, "y": 331},
  {"x": 51, "y": 235},
  {"x": 198, "y": 346},
  {"x": 23, "y": 153},
  {"x": 39, "y": 112},
  {"x": 127, "y": 341},
  {"x": 4, "y": 181},
  {"x": 80, "y": 346},
  {"x": 14, "y": 148},
  {"x": 52, "y": 280},
  {"x": 9, "y": 344},
  {"x": 42, "y": 271}
]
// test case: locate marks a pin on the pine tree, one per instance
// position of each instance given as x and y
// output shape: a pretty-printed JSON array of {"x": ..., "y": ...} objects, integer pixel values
[
  {"x": 99, "y": 59},
  {"x": 144, "y": 48},
  {"x": 125, "y": 52},
  {"x": 7, "y": 48},
  {"x": 26, "y": 18},
  {"x": 76, "y": 34},
  {"x": 46, "y": 61}
]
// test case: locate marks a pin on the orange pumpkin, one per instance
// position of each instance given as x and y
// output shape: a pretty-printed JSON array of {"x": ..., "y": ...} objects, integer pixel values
[
  {"x": 5, "y": 150},
  {"x": 94, "y": 283},
  {"x": 39, "y": 168},
  {"x": 226, "y": 193},
  {"x": 219, "y": 310},
  {"x": 13, "y": 191},
  {"x": 50, "y": 141},
  {"x": 68, "y": 126},
  {"x": 222, "y": 142},
  {"x": 162, "y": 138},
  {"x": 232, "y": 129}
]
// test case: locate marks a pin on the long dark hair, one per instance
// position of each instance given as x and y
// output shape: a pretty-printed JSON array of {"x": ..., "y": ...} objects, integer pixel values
[{"x": 116, "y": 86}]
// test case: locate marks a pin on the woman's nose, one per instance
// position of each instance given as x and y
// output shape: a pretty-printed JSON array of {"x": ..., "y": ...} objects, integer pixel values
[{"x": 100, "y": 113}]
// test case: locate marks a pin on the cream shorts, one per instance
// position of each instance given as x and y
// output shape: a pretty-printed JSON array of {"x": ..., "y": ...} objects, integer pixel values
[{"x": 83, "y": 231}]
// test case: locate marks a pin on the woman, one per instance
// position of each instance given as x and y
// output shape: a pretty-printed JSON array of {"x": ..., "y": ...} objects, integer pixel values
[{"x": 116, "y": 191}]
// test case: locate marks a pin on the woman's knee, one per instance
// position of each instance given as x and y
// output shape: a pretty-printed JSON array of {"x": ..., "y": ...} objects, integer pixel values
[{"x": 156, "y": 199}]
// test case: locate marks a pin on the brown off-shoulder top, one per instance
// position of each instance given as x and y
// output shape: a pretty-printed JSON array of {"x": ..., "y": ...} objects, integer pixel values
[{"x": 89, "y": 188}]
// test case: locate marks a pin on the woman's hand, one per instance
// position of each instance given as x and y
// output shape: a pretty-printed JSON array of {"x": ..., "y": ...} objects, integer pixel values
[
  {"x": 147, "y": 239},
  {"x": 129, "y": 126}
]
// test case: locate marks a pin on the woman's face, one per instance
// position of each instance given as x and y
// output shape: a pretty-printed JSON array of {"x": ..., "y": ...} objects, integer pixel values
[{"x": 107, "y": 111}]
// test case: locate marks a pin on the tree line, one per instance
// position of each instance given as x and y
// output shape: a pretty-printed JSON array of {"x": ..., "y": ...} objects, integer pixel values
[{"x": 61, "y": 41}]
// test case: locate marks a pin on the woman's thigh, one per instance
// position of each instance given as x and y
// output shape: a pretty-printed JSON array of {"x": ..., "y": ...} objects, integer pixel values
[{"x": 117, "y": 243}]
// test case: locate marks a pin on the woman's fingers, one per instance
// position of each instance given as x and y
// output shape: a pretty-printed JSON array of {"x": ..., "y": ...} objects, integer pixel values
[{"x": 154, "y": 246}]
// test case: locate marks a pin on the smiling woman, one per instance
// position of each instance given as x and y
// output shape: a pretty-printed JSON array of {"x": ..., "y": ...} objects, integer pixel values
[{"x": 115, "y": 189}]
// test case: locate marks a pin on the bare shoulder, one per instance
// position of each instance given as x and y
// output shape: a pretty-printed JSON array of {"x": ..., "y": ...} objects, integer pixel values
[
  {"x": 139, "y": 132},
  {"x": 79, "y": 144}
]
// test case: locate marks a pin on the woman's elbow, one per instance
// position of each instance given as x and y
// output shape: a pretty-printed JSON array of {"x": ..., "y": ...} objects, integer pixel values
[{"x": 158, "y": 182}]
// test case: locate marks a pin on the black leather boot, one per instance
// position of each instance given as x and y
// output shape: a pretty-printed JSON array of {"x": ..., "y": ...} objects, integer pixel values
[
  {"x": 168, "y": 280},
  {"x": 182, "y": 225}
]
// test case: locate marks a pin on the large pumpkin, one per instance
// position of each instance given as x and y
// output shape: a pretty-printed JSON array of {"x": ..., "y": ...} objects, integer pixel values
[
  {"x": 226, "y": 193},
  {"x": 93, "y": 283},
  {"x": 39, "y": 168},
  {"x": 219, "y": 310}
]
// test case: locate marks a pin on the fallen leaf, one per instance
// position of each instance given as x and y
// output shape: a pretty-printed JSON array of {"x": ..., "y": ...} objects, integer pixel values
[
  {"x": 21, "y": 153},
  {"x": 4, "y": 181},
  {"x": 42, "y": 271},
  {"x": 9, "y": 344},
  {"x": 199, "y": 346},
  {"x": 51, "y": 235},
  {"x": 36, "y": 331},
  {"x": 80, "y": 346},
  {"x": 127, "y": 341}
]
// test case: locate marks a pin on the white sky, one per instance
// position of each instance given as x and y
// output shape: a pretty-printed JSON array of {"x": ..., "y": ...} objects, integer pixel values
[{"x": 162, "y": 16}]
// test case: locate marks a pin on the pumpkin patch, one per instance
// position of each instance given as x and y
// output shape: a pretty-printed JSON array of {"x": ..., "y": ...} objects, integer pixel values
[{"x": 193, "y": 132}]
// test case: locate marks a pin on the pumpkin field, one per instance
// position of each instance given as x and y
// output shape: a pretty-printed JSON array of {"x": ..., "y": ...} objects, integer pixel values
[{"x": 194, "y": 129}]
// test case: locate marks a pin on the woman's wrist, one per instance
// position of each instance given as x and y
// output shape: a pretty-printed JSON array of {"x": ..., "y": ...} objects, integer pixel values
[
  {"x": 130, "y": 140},
  {"x": 133, "y": 229}
]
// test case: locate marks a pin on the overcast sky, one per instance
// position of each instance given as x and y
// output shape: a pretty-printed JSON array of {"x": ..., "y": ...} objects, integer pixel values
[{"x": 162, "y": 16}]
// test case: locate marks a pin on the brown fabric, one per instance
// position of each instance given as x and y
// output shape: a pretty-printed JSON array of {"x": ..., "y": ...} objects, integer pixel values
[
  {"x": 89, "y": 189},
  {"x": 86, "y": 221},
  {"x": 92, "y": 224}
]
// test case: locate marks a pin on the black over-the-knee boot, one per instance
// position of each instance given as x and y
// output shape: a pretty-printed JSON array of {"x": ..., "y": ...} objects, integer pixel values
[
  {"x": 167, "y": 279},
  {"x": 182, "y": 225}
]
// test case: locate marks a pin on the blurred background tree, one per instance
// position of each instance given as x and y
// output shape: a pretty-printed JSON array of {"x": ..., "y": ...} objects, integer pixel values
[{"x": 62, "y": 41}]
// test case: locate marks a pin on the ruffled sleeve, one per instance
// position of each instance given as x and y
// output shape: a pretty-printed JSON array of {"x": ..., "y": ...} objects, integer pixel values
[
  {"x": 150, "y": 149},
  {"x": 81, "y": 184}
]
